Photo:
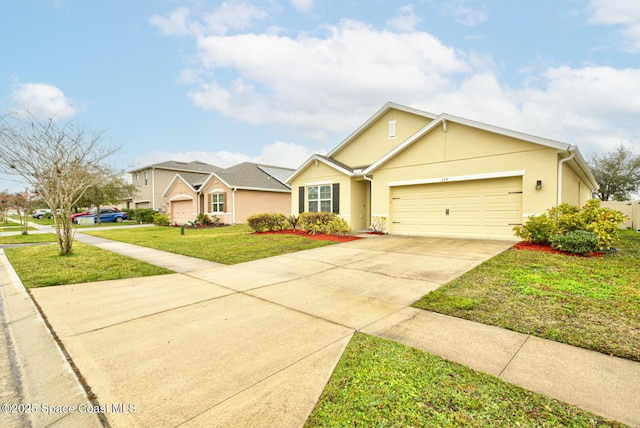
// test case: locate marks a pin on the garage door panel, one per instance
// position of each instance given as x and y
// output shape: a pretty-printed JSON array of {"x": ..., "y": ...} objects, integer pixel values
[{"x": 479, "y": 208}]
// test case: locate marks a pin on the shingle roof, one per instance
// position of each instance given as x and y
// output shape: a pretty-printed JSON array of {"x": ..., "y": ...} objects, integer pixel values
[
  {"x": 193, "y": 166},
  {"x": 254, "y": 176},
  {"x": 194, "y": 180}
]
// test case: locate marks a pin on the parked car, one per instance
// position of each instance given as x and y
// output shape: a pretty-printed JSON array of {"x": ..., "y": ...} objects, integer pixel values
[
  {"x": 40, "y": 213},
  {"x": 107, "y": 215},
  {"x": 92, "y": 211}
]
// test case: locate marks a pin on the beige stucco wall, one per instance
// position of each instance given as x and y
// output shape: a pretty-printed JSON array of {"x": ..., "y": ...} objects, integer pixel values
[
  {"x": 374, "y": 142},
  {"x": 574, "y": 190},
  {"x": 216, "y": 186},
  {"x": 465, "y": 151},
  {"x": 250, "y": 202},
  {"x": 157, "y": 182}
]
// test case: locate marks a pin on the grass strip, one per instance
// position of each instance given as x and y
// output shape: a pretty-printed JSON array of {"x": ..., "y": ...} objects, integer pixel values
[
  {"x": 41, "y": 266},
  {"x": 228, "y": 245},
  {"x": 590, "y": 302},
  {"x": 28, "y": 239},
  {"x": 380, "y": 383}
]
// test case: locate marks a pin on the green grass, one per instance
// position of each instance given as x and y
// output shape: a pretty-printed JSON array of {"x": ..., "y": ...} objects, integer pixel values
[
  {"x": 590, "y": 302},
  {"x": 41, "y": 266},
  {"x": 227, "y": 245},
  {"x": 28, "y": 239},
  {"x": 380, "y": 383}
]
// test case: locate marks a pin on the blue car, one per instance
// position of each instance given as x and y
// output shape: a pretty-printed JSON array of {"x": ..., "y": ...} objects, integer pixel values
[{"x": 107, "y": 215}]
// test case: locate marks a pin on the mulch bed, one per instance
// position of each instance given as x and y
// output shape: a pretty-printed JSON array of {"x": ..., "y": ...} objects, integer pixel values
[
  {"x": 547, "y": 249},
  {"x": 319, "y": 237}
]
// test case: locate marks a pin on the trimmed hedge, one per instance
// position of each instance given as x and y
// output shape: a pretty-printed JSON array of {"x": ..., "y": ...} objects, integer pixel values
[
  {"x": 323, "y": 222},
  {"x": 267, "y": 222},
  {"x": 577, "y": 242}
]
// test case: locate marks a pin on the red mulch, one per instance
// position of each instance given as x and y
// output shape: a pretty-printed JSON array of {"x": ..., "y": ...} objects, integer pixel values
[
  {"x": 319, "y": 237},
  {"x": 547, "y": 249},
  {"x": 376, "y": 233}
]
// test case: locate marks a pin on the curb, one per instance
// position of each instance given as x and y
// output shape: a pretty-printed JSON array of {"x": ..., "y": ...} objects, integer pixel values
[{"x": 51, "y": 391}]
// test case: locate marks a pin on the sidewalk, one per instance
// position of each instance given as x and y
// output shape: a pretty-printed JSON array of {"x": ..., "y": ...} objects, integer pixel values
[{"x": 596, "y": 382}]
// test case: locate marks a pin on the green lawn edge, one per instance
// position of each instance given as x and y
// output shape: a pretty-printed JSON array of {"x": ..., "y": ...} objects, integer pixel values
[
  {"x": 227, "y": 245},
  {"x": 589, "y": 302},
  {"x": 382, "y": 383},
  {"x": 42, "y": 266}
]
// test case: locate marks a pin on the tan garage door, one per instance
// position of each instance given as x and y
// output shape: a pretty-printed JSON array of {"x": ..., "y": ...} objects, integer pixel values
[
  {"x": 476, "y": 208},
  {"x": 182, "y": 211}
]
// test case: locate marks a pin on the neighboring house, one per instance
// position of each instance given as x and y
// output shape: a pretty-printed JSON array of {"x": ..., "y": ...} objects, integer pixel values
[
  {"x": 152, "y": 180},
  {"x": 232, "y": 194},
  {"x": 440, "y": 175}
]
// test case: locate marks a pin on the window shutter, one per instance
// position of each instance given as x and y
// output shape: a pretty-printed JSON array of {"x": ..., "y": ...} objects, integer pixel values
[
  {"x": 335, "y": 196},
  {"x": 300, "y": 199}
]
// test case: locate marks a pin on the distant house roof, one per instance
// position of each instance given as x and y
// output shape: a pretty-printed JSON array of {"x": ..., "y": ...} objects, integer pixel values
[
  {"x": 252, "y": 176},
  {"x": 244, "y": 176},
  {"x": 193, "y": 166}
]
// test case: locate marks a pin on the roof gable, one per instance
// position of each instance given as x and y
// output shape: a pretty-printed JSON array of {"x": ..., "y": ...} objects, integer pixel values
[
  {"x": 193, "y": 166},
  {"x": 252, "y": 176}
]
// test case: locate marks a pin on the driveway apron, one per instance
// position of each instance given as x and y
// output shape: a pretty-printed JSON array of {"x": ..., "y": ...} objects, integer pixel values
[{"x": 245, "y": 345}]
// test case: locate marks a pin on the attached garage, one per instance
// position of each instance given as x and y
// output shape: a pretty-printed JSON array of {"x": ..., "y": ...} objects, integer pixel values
[
  {"x": 182, "y": 211},
  {"x": 482, "y": 208}
]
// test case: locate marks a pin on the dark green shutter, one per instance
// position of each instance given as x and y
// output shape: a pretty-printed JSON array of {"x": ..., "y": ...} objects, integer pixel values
[
  {"x": 335, "y": 198},
  {"x": 300, "y": 199}
]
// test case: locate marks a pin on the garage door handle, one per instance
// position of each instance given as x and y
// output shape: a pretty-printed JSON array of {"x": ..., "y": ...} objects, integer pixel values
[{"x": 447, "y": 211}]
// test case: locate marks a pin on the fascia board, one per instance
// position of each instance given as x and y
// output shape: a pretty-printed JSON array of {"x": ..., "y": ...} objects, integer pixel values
[{"x": 317, "y": 158}]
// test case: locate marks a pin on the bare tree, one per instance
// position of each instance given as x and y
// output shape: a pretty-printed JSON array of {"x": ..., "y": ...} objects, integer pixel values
[
  {"x": 617, "y": 172},
  {"x": 60, "y": 161}
]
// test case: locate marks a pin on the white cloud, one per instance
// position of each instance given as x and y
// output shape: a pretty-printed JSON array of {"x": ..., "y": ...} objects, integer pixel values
[
  {"x": 302, "y": 5},
  {"x": 465, "y": 12},
  {"x": 407, "y": 21},
  {"x": 282, "y": 154},
  {"x": 330, "y": 83},
  {"x": 313, "y": 83},
  {"x": 230, "y": 15},
  {"x": 622, "y": 13},
  {"x": 43, "y": 101}
]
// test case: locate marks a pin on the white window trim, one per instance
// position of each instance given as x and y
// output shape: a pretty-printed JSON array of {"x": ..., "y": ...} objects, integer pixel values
[
  {"x": 392, "y": 129},
  {"x": 217, "y": 194},
  {"x": 320, "y": 200}
]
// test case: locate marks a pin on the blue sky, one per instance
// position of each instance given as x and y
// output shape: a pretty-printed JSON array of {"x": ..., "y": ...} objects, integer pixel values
[{"x": 274, "y": 81}]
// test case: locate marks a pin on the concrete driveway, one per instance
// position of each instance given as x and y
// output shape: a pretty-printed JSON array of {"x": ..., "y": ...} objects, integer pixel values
[{"x": 246, "y": 345}]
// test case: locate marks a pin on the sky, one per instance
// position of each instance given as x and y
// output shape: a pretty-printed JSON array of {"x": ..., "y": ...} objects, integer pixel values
[{"x": 274, "y": 81}]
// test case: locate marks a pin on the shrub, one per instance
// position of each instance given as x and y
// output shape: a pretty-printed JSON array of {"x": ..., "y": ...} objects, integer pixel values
[
  {"x": 161, "y": 220},
  {"x": 47, "y": 216},
  {"x": 266, "y": 222},
  {"x": 378, "y": 223},
  {"x": 538, "y": 229},
  {"x": 293, "y": 221},
  {"x": 323, "y": 222},
  {"x": 144, "y": 215},
  {"x": 565, "y": 218},
  {"x": 577, "y": 241},
  {"x": 204, "y": 219}
]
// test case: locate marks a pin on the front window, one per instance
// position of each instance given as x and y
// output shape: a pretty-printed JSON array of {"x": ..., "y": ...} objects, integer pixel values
[
  {"x": 146, "y": 179},
  {"x": 319, "y": 198},
  {"x": 217, "y": 202}
]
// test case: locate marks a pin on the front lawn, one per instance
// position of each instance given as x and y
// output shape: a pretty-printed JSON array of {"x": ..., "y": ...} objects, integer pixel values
[
  {"x": 28, "y": 239},
  {"x": 41, "y": 266},
  {"x": 227, "y": 245},
  {"x": 386, "y": 384},
  {"x": 591, "y": 302}
]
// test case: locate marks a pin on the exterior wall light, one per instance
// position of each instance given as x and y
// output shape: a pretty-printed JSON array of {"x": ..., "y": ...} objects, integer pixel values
[{"x": 538, "y": 184}]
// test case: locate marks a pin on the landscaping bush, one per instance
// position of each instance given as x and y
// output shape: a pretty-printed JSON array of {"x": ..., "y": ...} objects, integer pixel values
[
  {"x": 161, "y": 220},
  {"x": 144, "y": 215},
  {"x": 267, "y": 222},
  {"x": 538, "y": 229},
  {"x": 577, "y": 242},
  {"x": 565, "y": 218},
  {"x": 323, "y": 222}
]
